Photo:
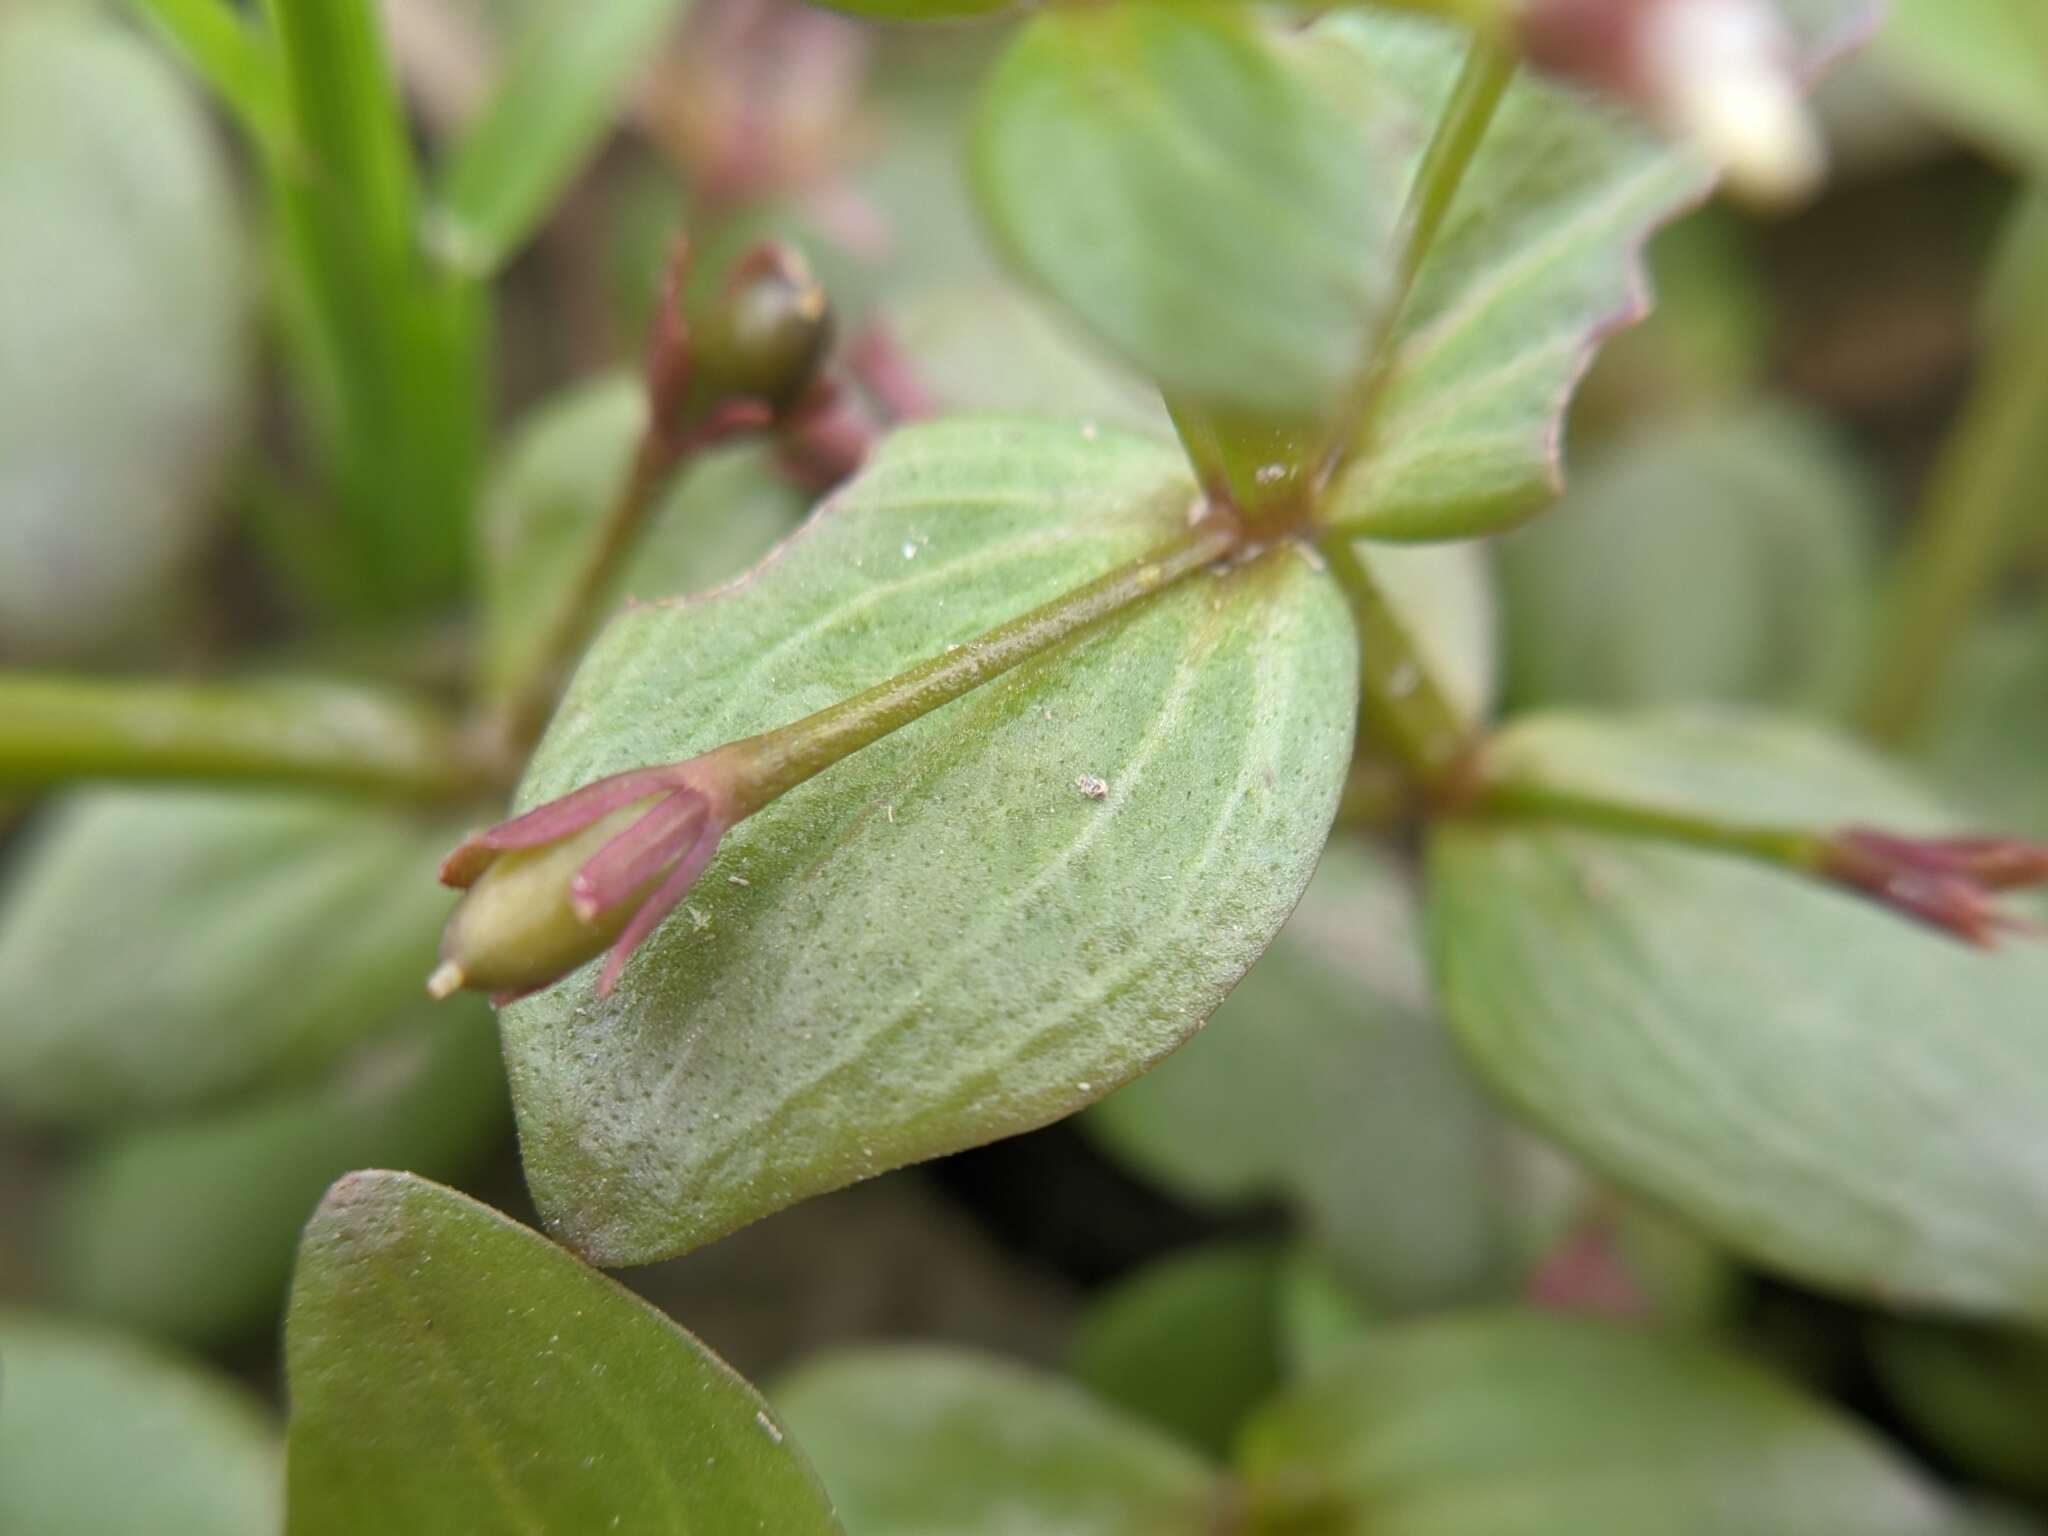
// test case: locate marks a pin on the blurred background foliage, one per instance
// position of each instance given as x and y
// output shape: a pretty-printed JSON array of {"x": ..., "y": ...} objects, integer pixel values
[{"x": 252, "y": 420}]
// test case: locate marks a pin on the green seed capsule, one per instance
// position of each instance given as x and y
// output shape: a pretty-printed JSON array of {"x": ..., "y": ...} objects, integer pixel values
[{"x": 515, "y": 930}]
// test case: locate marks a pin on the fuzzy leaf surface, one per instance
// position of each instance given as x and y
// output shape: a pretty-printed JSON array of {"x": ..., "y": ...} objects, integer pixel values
[{"x": 941, "y": 940}]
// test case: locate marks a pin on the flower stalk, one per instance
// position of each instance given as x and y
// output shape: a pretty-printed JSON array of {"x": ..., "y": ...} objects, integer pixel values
[
  {"x": 1406, "y": 707},
  {"x": 602, "y": 866},
  {"x": 749, "y": 365},
  {"x": 1949, "y": 884}
]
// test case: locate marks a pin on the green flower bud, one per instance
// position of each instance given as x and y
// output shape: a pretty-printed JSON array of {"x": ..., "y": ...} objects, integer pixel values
[
  {"x": 767, "y": 333},
  {"x": 517, "y": 930},
  {"x": 599, "y": 868}
]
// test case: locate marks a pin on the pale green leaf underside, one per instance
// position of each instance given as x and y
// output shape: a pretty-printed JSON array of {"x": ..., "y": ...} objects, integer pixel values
[
  {"x": 1200, "y": 200},
  {"x": 924, "y": 1442},
  {"x": 1527, "y": 1425},
  {"x": 101, "y": 1435},
  {"x": 164, "y": 947},
  {"x": 452, "y": 1371},
  {"x": 1538, "y": 262},
  {"x": 941, "y": 940},
  {"x": 1817, "y": 1083}
]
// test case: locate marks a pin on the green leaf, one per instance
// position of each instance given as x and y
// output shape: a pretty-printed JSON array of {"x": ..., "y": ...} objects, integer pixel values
[
  {"x": 1319, "y": 1313},
  {"x": 1724, "y": 558},
  {"x": 559, "y": 95},
  {"x": 942, "y": 940},
  {"x": 1989, "y": 735},
  {"x": 1980, "y": 65},
  {"x": 188, "y": 1228},
  {"x": 1981, "y": 1396},
  {"x": 546, "y": 508},
  {"x": 221, "y": 45},
  {"x": 1539, "y": 260},
  {"x": 1805, "y": 1076},
  {"x": 1444, "y": 596},
  {"x": 1191, "y": 1343},
  {"x": 925, "y": 1442},
  {"x": 1210, "y": 207},
  {"x": 452, "y": 1371},
  {"x": 166, "y": 947},
  {"x": 1327, "y": 1080},
  {"x": 124, "y": 330},
  {"x": 101, "y": 1435},
  {"x": 952, "y": 335},
  {"x": 1525, "y": 1425},
  {"x": 387, "y": 347}
]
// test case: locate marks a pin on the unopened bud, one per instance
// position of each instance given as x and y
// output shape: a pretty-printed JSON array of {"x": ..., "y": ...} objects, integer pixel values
[
  {"x": 1948, "y": 883},
  {"x": 548, "y": 891},
  {"x": 1722, "y": 73},
  {"x": 765, "y": 336}
]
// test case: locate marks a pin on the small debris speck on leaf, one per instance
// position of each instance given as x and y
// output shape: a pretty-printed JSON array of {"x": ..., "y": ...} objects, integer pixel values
[{"x": 1092, "y": 787}]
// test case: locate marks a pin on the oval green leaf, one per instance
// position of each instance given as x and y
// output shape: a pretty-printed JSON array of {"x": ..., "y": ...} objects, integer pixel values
[
  {"x": 1208, "y": 206},
  {"x": 125, "y": 359},
  {"x": 1538, "y": 262},
  {"x": 942, "y": 940},
  {"x": 1813, "y": 1081},
  {"x": 1191, "y": 1343},
  {"x": 100, "y": 1435},
  {"x": 924, "y": 1442},
  {"x": 162, "y": 948},
  {"x": 1718, "y": 558},
  {"x": 452, "y": 1371},
  {"x": 1525, "y": 1425},
  {"x": 188, "y": 1229}
]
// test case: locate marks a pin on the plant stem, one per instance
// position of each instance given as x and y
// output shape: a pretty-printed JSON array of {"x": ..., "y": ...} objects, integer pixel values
[
  {"x": 1805, "y": 852},
  {"x": 1991, "y": 473},
  {"x": 779, "y": 760},
  {"x": 389, "y": 349},
  {"x": 1405, "y": 704},
  {"x": 1482, "y": 82},
  {"x": 655, "y": 463},
  {"x": 54, "y": 729},
  {"x": 1488, "y": 70}
]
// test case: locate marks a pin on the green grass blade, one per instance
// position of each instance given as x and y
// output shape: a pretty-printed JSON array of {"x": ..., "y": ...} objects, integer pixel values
[{"x": 552, "y": 108}]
